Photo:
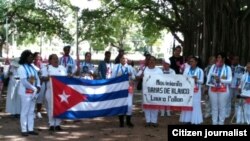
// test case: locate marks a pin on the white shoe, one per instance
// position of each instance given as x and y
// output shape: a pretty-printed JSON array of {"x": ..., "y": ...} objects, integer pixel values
[
  {"x": 39, "y": 115},
  {"x": 168, "y": 113}
]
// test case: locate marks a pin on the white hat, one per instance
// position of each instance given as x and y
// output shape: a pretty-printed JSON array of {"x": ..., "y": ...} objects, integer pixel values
[{"x": 166, "y": 60}]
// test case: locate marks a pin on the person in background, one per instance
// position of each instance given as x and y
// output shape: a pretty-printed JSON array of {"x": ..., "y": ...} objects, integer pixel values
[
  {"x": 68, "y": 62},
  {"x": 219, "y": 79},
  {"x": 38, "y": 65},
  {"x": 1, "y": 82},
  {"x": 166, "y": 70},
  {"x": 142, "y": 67},
  {"x": 120, "y": 54},
  {"x": 52, "y": 69},
  {"x": 245, "y": 81},
  {"x": 194, "y": 116},
  {"x": 122, "y": 69},
  {"x": 28, "y": 89},
  {"x": 177, "y": 60},
  {"x": 150, "y": 114},
  {"x": 237, "y": 72},
  {"x": 105, "y": 67},
  {"x": 13, "y": 100},
  {"x": 87, "y": 68}
]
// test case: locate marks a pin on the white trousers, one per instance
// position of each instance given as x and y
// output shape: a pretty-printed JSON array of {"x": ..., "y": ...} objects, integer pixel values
[
  {"x": 218, "y": 105},
  {"x": 151, "y": 116},
  {"x": 27, "y": 113},
  {"x": 130, "y": 104},
  {"x": 41, "y": 96},
  {"x": 232, "y": 95},
  {"x": 52, "y": 121}
]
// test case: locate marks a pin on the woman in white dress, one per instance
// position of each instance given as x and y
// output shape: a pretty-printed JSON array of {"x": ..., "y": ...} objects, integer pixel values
[
  {"x": 13, "y": 100},
  {"x": 219, "y": 78},
  {"x": 52, "y": 69},
  {"x": 194, "y": 116},
  {"x": 150, "y": 114}
]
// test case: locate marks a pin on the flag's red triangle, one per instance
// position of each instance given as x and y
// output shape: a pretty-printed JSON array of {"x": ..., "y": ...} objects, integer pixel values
[{"x": 72, "y": 97}]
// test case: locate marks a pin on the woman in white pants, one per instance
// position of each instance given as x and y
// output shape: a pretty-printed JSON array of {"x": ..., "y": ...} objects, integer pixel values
[
  {"x": 219, "y": 79},
  {"x": 194, "y": 116},
  {"x": 151, "y": 114},
  {"x": 28, "y": 89},
  {"x": 52, "y": 69},
  {"x": 121, "y": 69},
  {"x": 243, "y": 114}
]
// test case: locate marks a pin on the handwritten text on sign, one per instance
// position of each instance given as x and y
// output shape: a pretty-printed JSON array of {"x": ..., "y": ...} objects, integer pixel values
[{"x": 168, "y": 90}]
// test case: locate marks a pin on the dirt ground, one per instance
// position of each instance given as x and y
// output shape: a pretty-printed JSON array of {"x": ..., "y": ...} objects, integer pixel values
[{"x": 98, "y": 129}]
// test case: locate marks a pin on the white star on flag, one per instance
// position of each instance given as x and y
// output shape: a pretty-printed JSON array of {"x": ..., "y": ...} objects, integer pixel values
[{"x": 64, "y": 97}]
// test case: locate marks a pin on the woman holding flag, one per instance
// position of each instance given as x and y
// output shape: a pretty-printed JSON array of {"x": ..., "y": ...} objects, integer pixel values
[
  {"x": 28, "y": 89},
  {"x": 122, "y": 69},
  {"x": 194, "y": 116},
  {"x": 53, "y": 68}
]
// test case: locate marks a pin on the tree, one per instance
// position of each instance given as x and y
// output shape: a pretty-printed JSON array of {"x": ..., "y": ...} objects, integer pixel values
[
  {"x": 30, "y": 19},
  {"x": 112, "y": 25},
  {"x": 207, "y": 26}
]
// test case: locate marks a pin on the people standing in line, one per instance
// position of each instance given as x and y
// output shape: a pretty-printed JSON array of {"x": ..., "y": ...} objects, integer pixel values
[
  {"x": 194, "y": 116},
  {"x": 151, "y": 115},
  {"x": 177, "y": 60},
  {"x": 121, "y": 69},
  {"x": 237, "y": 72},
  {"x": 68, "y": 62},
  {"x": 87, "y": 68},
  {"x": 120, "y": 54},
  {"x": 166, "y": 70},
  {"x": 38, "y": 65},
  {"x": 219, "y": 79},
  {"x": 13, "y": 100},
  {"x": 52, "y": 69},
  {"x": 29, "y": 87}
]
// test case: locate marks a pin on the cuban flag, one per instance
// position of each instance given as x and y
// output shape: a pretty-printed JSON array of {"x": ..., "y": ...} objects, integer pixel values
[{"x": 75, "y": 98}]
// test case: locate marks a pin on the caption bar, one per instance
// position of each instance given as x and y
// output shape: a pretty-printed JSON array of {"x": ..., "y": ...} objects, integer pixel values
[{"x": 207, "y": 132}]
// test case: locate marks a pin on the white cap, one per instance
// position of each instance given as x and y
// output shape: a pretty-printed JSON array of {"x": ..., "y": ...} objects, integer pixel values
[{"x": 166, "y": 60}]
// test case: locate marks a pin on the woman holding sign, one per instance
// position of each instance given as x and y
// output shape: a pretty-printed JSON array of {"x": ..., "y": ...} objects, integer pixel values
[
  {"x": 151, "y": 114},
  {"x": 219, "y": 79},
  {"x": 195, "y": 116}
]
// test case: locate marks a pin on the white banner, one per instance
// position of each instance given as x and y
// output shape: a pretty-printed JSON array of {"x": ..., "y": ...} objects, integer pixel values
[{"x": 168, "y": 90}]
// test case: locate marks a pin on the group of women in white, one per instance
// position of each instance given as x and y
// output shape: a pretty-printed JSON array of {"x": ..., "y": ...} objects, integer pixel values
[{"x": 28, "y": 80}]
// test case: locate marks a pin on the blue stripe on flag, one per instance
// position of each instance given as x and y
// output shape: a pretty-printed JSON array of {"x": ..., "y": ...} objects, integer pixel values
[
  {"x": 106, "y": 96},
  {"x": 77, "y": 81},
  {"x": 92, "y": 114}
]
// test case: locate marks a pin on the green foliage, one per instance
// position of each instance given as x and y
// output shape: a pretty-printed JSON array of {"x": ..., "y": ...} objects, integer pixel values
[{"x": 29, "y": 20}]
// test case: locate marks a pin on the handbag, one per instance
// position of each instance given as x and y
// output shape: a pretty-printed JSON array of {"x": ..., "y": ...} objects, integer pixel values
[{"x": 139, "y": 84}]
